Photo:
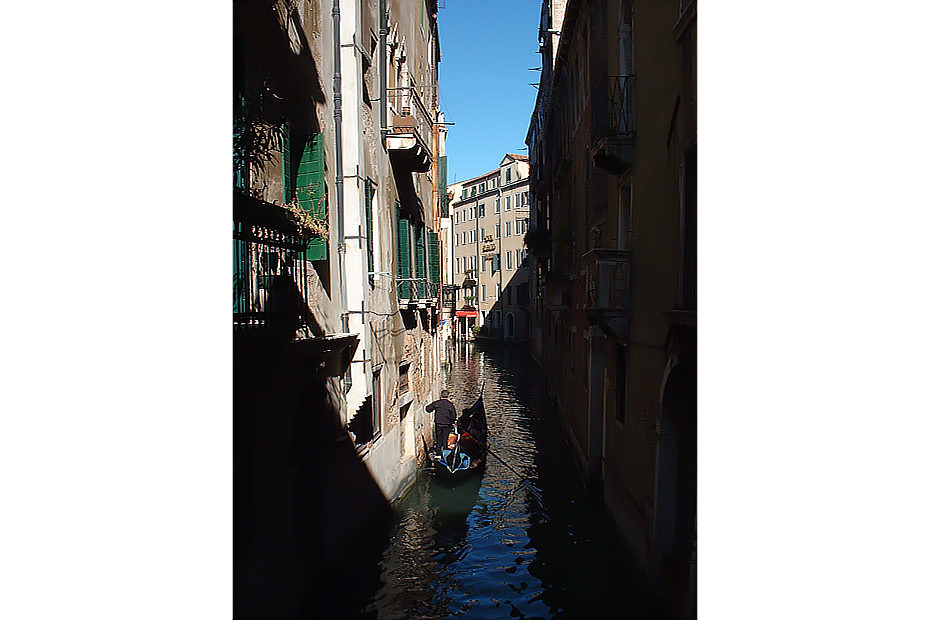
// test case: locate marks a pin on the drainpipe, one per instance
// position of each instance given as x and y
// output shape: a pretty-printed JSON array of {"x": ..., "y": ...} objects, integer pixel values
[
  {"x": 340, "y": 206},
  {"x": 382, "y": 9},
  {"x": 340, "y": 200}
]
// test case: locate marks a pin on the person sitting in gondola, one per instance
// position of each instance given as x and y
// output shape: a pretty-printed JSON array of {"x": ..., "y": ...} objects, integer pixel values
[
  {"x": 476, "y": 423},
  {"x": 453, "y": 454},
  {"x": 469, "y": 441}
]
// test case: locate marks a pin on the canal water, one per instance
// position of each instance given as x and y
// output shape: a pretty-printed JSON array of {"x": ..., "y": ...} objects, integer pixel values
[{"x": 501, "y": 545}]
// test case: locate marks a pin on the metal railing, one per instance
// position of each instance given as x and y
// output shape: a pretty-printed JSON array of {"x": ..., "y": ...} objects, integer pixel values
[
  {"x": 270, "y": 276},
  {"x": 408, "y": 115},
  {"x": 612, "y": 112},
  {"x": 417, "y": 290},
  {"x": 607, "y": 278}
]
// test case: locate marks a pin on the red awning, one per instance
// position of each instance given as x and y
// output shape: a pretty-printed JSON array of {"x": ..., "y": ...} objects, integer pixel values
[{"x": 467, "y": 313}]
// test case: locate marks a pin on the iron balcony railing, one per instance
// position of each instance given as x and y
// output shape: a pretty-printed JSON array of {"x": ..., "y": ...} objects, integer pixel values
[
  {"x": 270, "y": 276},
  {"x": 607, "y": 278},
  {"x": 408, "y": 115},
  {"x": 612, "y": 113},
  {"x": 417, "y": 290}
]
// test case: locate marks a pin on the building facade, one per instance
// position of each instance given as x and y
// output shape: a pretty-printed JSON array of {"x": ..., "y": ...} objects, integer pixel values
[
  {"x": 613, "y": 155},
  {"x": 336, "y": 281},
  {"x": 489, "y": 217}
]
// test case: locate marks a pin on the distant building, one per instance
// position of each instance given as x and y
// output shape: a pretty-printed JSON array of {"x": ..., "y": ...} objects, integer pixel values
[
  {"x": 490, "y": 216},
  {"x": 613, "y": 154}
]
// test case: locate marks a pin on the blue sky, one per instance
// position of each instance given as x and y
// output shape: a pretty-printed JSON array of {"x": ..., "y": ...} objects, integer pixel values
[{"x": 488, "y": 47}]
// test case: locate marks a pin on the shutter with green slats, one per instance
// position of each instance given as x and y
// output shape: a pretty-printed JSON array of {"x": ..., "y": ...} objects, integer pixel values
[
  {"x": 420, "y": 245},
  {"x": 311, "y": 191},
  {"x": 403, "y": 254},
  {"x": 433, "y": 242},
  {"x": 443, "y": 195}
]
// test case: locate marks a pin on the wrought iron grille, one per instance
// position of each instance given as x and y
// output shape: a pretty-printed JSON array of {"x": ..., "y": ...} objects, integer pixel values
[
  {"x": 613, "y": 110},
  {"x": 270, "y": 274}
]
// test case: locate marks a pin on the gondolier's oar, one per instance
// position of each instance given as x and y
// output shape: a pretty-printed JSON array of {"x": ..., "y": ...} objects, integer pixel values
[{"x": 500, "y": 459}]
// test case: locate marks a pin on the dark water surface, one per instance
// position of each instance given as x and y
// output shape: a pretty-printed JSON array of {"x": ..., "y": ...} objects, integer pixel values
[{"x": 496, "y": 546}]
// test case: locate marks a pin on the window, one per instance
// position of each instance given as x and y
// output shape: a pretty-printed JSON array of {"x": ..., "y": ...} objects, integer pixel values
[
  {"x": 482, "y": 234},
  {"x": 376, "y": 403},
  {"x": 509, "y": 260},
  {"x": 497, "y": 231},
  {"x": 571, "y": 350},
  {"x": 507, "y": 229},
  {"x": 458, "y": 265},
  {"x": 620, "y": 404},
  {"x": 507, "y": 206},
  {"x": 526, "y": 198},
  {"x": 484, "y": 264},
  {"x": 484, "y": 292},
  {"x": 473, "y": 190},
  {"x": 481, "y": 210},
  {"x": 626, "y": 203},
  {"x": 497, "y": 205},
  {"x": 403, "y": 377},
  {"x": 508, "y": 175},
  {"x": 464, "y": 193},
  {"x": 498, "y": 286},
  {"x": 370, "y": 230}
]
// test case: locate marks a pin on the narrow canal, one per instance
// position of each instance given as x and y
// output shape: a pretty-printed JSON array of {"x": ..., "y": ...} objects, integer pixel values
[{"x": 496, "y": 545}]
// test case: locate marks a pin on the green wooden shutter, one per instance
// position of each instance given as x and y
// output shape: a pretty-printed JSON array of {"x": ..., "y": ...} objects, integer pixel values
[
  {"x": 433, "y": 241},
  {"x": 240, "y": 168},
  {"x": 420, "y": 245},
  {"x": 403, "y": 255},
  {"x": 369, "y": 194},
  {"x": 311, "y": 191},
  {"x": 443, "y": 191}
]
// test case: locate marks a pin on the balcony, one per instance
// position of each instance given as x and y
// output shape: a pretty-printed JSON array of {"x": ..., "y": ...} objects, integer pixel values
[
  {"x": 271, "y": 278},
  {"x": 613, "y": 124},
  {"x": 607, "y": 284},
  {"x": 417, "y": 293},
  {"x": 409, "y": 134}
]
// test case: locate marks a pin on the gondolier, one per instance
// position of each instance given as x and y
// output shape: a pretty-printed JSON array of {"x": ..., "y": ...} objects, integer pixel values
[{"x": 445, "y": 418}]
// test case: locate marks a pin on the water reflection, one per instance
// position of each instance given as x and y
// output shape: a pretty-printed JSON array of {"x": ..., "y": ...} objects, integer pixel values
[{"x": 506, "y": 544}]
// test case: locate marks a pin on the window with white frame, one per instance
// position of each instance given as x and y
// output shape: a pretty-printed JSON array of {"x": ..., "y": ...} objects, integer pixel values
[
  {"x": 506, "y": 229},
  {"x": 509, "y": 261},
  {"x": 458, "y": 265},
  {"x": 497, "y": 205}
]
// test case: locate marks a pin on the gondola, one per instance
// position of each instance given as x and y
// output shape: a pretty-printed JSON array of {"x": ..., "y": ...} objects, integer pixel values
[{"x": 463, "y": 462}]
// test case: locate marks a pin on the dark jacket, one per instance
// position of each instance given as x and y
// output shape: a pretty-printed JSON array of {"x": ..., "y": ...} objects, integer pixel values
[{"x": 445, "y": 412}]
